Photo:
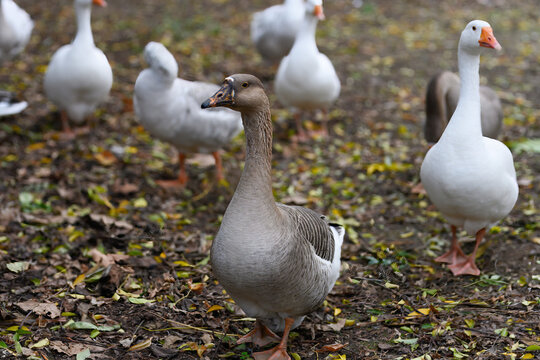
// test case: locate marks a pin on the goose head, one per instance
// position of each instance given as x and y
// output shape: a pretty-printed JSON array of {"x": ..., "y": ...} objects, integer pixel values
[
  {"x": 86, "y": 3},
  {"x": 160, "y": 59},
  {"x": 315, "y": 8},
  {"x": 478, "y": 34},
  {"x": 240, "y": 92}
]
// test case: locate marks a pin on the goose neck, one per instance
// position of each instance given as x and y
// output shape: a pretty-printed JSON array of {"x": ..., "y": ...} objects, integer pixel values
[
  {"x": 466, "y": 121},
  {"x": 84, "y": 28},
  {"x": 305, "y": 40},
  {"x": 469, "y": 65},
  {"x": 255, "y": 184}
]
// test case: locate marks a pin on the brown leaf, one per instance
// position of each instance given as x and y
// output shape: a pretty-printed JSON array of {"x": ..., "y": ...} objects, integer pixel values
[
  {"x": 46, "y": 309},
  {"x": 331, "y": 348},
  {"x": 106, "y": 259}
]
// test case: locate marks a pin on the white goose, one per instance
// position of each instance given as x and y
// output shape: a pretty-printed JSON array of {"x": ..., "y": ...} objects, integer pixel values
[
  {"x": 15, "y": 29},
  {"x": 470, "y": 178},
  {"x": 306, "y": 79},
  {"x": 442, "y": 95},
  {"x": 277, "y": 262},
  {"x": 9, "y": 104},
  {"x": 169, "y": 108},
  {"x": 274, "y": 29},
  {"x": 79, "y": 76}
]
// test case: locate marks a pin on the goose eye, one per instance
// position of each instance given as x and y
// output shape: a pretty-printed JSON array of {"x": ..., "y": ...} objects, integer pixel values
[
  {"x": 245, "y": 85},
  {"x": 474, "y": 28}
]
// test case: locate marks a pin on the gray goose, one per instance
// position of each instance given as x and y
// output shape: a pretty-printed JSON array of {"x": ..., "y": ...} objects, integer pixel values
[
  {"x": 277, "y": 262},
  {"x": 441, "y": 100}
]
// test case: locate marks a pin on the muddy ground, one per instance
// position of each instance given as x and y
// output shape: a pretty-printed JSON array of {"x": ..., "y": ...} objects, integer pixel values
[{"x": 98, "y": 262}]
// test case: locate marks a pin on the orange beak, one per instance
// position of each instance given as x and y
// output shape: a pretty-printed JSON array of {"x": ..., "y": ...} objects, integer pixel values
[
  {"x": 487, "y": 39},
  {"x": 318, "y": 12},
  {"x": 101, "y": 3}
]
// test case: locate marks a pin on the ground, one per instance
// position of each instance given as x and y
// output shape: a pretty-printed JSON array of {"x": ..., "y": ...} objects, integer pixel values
[{"x": 98, "y": 261}]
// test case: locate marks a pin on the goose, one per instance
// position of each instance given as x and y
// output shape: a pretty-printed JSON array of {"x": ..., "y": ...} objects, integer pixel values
[
  {"x": 273, "y": 30},
  {"x": 79, "y": 76},
  {"x": 15, "y": 29},
  {"x": 169, "y": 108},
  {"x": 470, "y": 178},
  {"x": 277, "y": 262},
  {"x": 306, "y": 79},
  {"x": 441, "y": 100},
  {"x": 9, "y": 104}
]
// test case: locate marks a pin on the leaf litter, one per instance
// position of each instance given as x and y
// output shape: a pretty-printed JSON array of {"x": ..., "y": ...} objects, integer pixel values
[{"x": 99, "y": 262}]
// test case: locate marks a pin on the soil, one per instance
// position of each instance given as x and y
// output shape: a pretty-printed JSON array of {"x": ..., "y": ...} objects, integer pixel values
[{"x": 99, "y": 262}]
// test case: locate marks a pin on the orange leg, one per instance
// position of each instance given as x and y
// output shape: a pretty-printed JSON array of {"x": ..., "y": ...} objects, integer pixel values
[
  {"x": 468, "y": 267},
  {"x": 219, "y": 167},
  {"x": 67, "y": 132},
  {"x": 260, "y": 335},
  {"x": 279, "y": 352},
  {"x": 455, "y": 254},
  {"x": 181, "y": 181}
]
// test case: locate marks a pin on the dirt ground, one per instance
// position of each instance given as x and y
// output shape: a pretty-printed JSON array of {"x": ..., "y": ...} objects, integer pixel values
[{"x": 98, "y": 262}]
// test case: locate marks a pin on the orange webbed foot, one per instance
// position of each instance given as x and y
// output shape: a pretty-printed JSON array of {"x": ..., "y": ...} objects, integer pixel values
[
  {"x": 260, "y": 335},
  {"x": 275, "y": 353},
  {"x": 467, "y": 267}
]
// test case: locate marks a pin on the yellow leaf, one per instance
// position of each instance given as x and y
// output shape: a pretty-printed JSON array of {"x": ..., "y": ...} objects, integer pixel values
[
  {"x": 337, "y": 311},
  {"x": 140, "y": 203},
  {"x": 142, "y": 345},
  {"x": 389, "y": 285},
  {"x": 41, "y": 343},
  {"x": 79, "y": 279},
  {"x": 214, "y": 308},
  {"x": 35, "y": 146},
  {"x": 528, "y": 356},
  {"x": 421, "y": 312},
  {"x": 105, "y": 158},
  {"x": 182, "y": 263}
]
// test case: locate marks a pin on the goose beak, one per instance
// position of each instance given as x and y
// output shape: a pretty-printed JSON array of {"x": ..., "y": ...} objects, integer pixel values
[
  {"x": 223, "y": 97},
  {"x": 318, "y": 12},
  {"x": 487, "y": 39},
  {"x": 101, "y": 3}
]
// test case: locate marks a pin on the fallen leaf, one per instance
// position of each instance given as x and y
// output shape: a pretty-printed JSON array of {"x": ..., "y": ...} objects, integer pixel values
[
  {"x": 45, "y": 309},
  {"x": 141, "y": 345},
  {"x": 331, "y": 348}
]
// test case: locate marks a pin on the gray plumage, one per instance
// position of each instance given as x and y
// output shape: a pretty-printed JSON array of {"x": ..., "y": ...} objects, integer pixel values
[{"x": 275, "y": 261}]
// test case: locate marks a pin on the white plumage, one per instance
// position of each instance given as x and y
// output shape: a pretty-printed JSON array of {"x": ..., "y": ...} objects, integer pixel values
[
  {"x": 470, "y": 178},
  {"x": 169, "y": 108},
  {"x": 15, "y": 29},
  {"x": 79, "y": 76},
  {"x": 274, "y": 29},
  {"x": 306, "y": 78}
]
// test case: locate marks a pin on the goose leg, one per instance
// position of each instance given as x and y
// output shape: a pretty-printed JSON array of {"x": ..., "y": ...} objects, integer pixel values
[
  {"x": 260, "y": 335},
  {"x": 67, "y": 132},
  {"x": 179, "y": 182},
  {"x": 219, "y": 167},
  {"x": 279, "y": 352},
  {"x": 324, "y": 123},
  {"x": 455, "y": 254},
  {"x": 468, "y": 267},
  {"x": 301, "y": 135}
]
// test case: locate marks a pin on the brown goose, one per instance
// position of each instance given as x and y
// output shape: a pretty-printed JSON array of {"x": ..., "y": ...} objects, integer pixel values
[
  {"x": 441, "y": 100},
  {"x": 277, "y": 262}
]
